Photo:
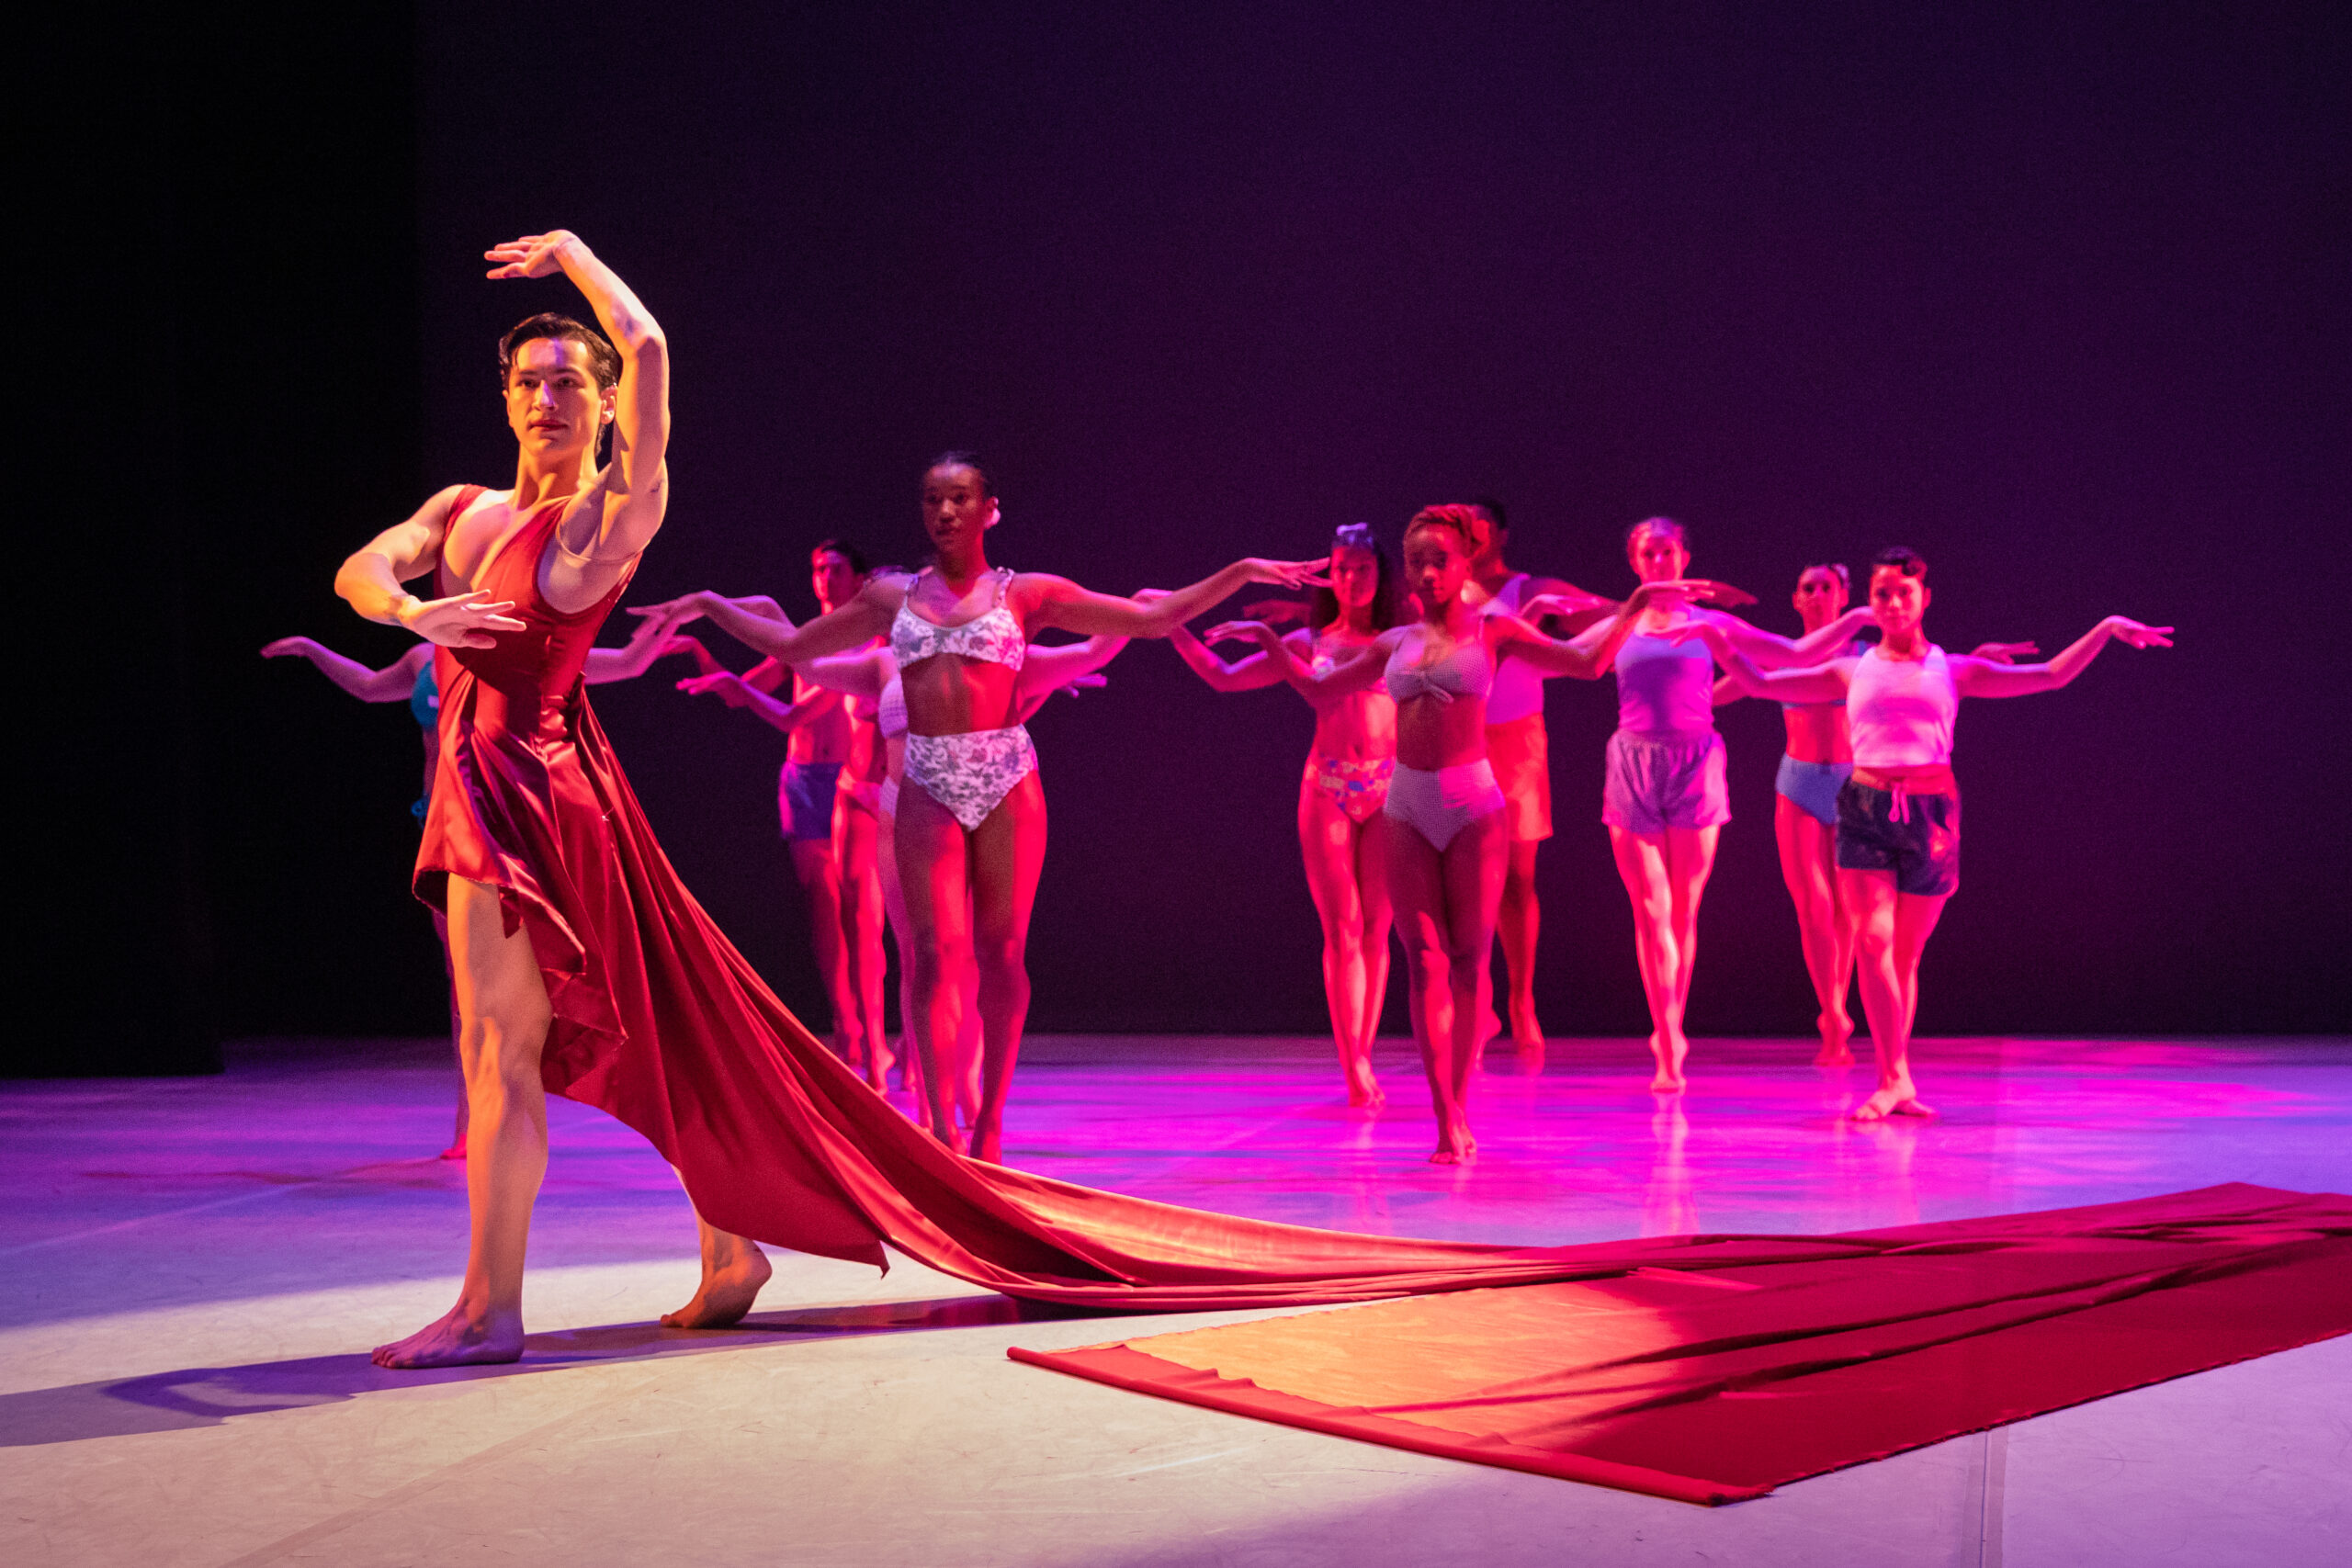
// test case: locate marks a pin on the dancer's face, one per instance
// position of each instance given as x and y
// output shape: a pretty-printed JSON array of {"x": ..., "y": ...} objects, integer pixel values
[
  {"x": 1437, "y": 562},
  {"x": 957, "y": 507},
  {"x": 1899, "y": 603},
  {"x": 1355, "y": 576},
  {"x": 553, "y": 404},
  {"x": 1658, "y": 556},
  {"x": 1820, "y": 597},
  {"x": 835, "y": 581}
]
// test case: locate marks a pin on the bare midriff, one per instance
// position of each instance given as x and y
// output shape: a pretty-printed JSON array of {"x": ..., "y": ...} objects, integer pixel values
[
  {"x": 1359, "y": 727},
  {"x": 949, "y": 694},
  {"x": 1818, "y": 732},
  {"x": 1432, "y": 734},
  {"x": 823, "y": 740}
]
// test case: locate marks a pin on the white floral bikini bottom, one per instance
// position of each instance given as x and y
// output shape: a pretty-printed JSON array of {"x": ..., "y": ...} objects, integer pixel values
[{"x": 970, "y": 774}]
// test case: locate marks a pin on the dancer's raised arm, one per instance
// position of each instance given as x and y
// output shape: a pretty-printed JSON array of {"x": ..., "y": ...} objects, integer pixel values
[
  {"x": 1052, "y": 601},
  {"x": 650, "y": 641},
  {"x": 1821, "y": 683},
  {"x": 1770, "y": 651},
  {"x": 1979, "y": 676},
  {"x": 750, "y": 622},
  {"x": 1359, "y": 670},
  {"x": 1251, "y": 673},
  {"x": 392, "y": 683},
  {"x": 615, "y": 516}
]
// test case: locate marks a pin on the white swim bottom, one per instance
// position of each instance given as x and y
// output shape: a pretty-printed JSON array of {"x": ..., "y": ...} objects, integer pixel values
[
  {"x": 1438, "y": 804},
  {"x": 885, "y": 799},
  {"x": 970, "y": 774}
]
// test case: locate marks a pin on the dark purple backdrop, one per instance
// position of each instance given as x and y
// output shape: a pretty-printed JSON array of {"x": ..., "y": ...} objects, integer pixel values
[{"x": 2056, "y": 299}]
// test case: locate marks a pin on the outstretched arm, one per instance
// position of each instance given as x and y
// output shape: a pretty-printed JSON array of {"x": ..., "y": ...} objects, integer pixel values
[
  {"x": 1770, "y": 651},
  {"x": 738, "y": 692},
  {"x": 1058, "y": 602},
  {"x": 1978, "y": 677},
  {"x": 370, "y": 578},
  {"x": 836, "y": 631},
  {"x": 617, "y": 516},
  {"x": 862, "y": 674},
  {"x": 650, "y": 641},
  {"x": 1822, "y": 684},
  {"x": 1354, "y": 674},
  {"x": 1247, "y": 674},
  {"x": 1045, "y": 671},
  {"x": 1588, "y": 656},
  {"x": 389, "y": 684}
]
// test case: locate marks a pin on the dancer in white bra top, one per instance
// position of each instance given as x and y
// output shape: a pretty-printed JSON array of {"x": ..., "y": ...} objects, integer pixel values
[
  {"x": 1898, "y": 815},
  {"x": 1445, "y": 837},
  {"x": 972, "y": 818}
]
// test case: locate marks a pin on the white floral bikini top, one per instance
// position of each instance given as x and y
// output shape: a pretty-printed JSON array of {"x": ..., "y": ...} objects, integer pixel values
[{"x": 993, "y": 636}]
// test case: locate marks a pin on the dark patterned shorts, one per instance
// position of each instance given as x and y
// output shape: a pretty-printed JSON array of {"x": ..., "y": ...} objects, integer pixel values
[{"x": 1922, "y": 850}]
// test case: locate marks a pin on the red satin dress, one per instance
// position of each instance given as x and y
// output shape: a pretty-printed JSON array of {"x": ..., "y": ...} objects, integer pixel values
[{"x": 660, "y": 1022}]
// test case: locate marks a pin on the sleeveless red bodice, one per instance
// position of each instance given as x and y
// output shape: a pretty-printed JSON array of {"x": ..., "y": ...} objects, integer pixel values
[{"x": 660, "y": 1023}]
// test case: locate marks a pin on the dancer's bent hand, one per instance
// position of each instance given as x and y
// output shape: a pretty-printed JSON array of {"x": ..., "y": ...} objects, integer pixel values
[
  {"x": 1538, "y": 605},
  {"x": 2005, "y": 652},
  {"x": 462, "y": 620},
  {"x": 1290, "y": 574},
  {"x": 2138, "y": 635},
  {"x": 726, "y": 685},
  {"x": 1238, "y": 631},
  {"x": 533, "y": 256}
]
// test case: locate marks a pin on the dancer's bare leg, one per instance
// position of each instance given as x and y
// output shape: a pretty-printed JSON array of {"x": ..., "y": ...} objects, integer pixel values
[
  {"x": 1006, "y": 855},
  {"x": 733, "y": 1270},
  {"x": 1473, "y": 868},
  {"x": 1326, "y": 841},
  {"x": 1689, "y": 861},
  {"x": 931, "y": 854},
  {"x": 1519, "y": 923},
  {"x": 1892, "y": 929},
  {"x": 820, "y": 884},
  {"x": 1641, "y": 866},
  {"x": 894, "y": 906},
  {"x": 503, "y": 1017},
  {"x": 863, "y": 967},
  {"x": 457, "y": 1149},
  {"x": 1809, "y": 867},
  {"x": 1371, "y": 887}
]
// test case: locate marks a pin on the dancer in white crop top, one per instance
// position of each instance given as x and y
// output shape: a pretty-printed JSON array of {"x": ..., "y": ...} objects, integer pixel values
[
  {"x": 970, "y": 831},
  {"x": 1445, "y": 841},
  {"x": 1899, "y": 815}
]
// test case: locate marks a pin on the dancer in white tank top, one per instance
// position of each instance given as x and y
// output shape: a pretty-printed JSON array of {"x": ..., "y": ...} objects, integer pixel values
[{"x": 1899, "y": 815}]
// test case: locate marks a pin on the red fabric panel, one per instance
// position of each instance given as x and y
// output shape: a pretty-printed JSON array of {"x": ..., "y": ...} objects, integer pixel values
[{"x": 1716, "y": 1386}]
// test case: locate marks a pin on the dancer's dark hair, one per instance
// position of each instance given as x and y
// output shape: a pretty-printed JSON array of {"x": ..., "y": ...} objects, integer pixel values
[
  {"x": 1494, "y": 509},
  {"x": 1902, "y": 559},
  {"x": 956, "y": 457},
  {"x": 1836, "y": 566},
  {"x": 600, "y": 356},
  {"x": 1323, "y": 605},
  {"x": 1666, "y": 525},
  {"x": 847, "y": 551}
]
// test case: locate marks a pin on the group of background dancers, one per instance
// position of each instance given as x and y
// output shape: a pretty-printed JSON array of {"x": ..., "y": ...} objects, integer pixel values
[{"x": 1422, "y": 799}]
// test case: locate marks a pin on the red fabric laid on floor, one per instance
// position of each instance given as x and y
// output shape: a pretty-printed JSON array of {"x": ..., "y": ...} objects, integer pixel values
[
  {"x": 660, "y": 1022},
  {"x": 1709, "y": 1376}
]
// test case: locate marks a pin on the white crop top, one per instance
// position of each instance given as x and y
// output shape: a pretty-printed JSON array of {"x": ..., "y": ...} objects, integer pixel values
[
  {"x": 1900, "y": 711},
  {"x": 993, "y": 636},
  {"x": 1466, "y": 671}
]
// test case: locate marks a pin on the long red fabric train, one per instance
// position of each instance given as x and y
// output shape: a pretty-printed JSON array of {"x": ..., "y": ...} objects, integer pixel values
[
  {"x": 1696, "y": 1375},
  {"x": 662, "y": 1023}
]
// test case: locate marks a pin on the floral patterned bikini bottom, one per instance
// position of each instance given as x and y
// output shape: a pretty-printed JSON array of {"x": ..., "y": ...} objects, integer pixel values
[
  {"x": 1359, "y": 789},
  {"x": 970, "y": 774}
]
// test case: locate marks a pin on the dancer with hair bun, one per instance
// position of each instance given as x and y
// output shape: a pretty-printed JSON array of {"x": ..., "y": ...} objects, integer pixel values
[
  {"x": 1446, "y": 850},
  {"x": 1898, "y": 814},
  {"x": 971, "y": 827},
  {"x": 1344, "y": 787},
  {"x": 1663, "y": 796}
]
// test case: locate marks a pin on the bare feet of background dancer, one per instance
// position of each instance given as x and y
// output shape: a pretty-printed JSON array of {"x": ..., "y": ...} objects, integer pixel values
[
  {"x": 1345, "y": 786},
  {"x": 523, "y": 579},
  {"x": 1898, "y": 815},
  {"x": 1664, "y": 797},
  {"x": 824, "y": 738},
  {"x": 1444, "y": 844},
  {"x": 409, "y": 678},
  {"x": 1520, "y": 748},
  {"x": 1813, "y": 768},
  {"x": 971, "y": 828}
]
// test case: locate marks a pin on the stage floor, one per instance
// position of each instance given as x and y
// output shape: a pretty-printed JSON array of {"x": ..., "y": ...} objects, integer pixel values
[{"x": 195, "y": 1269}]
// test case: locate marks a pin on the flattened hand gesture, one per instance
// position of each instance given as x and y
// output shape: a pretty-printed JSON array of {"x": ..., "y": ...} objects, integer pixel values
[
  {"x": 533, "y": 256},
  {"x": 2126, "y": 629},
  {"x": 462, "y": 620},
  {"x": 1241, "y": 631},
  {"x": 2005, "y": 652},
  {"x": 1291, "y": 573}
]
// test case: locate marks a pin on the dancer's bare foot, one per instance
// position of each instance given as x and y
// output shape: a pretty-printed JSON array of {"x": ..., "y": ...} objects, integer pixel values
[
  {"x": 1894, "y": 1099},
  {"x": 1364, "y": 1091},
  {"x": 1836, "y": 1029},
  {"x": 988, "y": 1143},
  {"x": 456, "y": 1150},
  {"x": 458, "y": 1338},
  {"x": 1670, "y": 1049},
  {"x": 1454, "y": 1144},
  {"x": 1525, "y": 1032},
  {"x": 728, "y": 1291},
  {"x": 1488, "y": 1027},
  {"x": 878, "y": 1062}
]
